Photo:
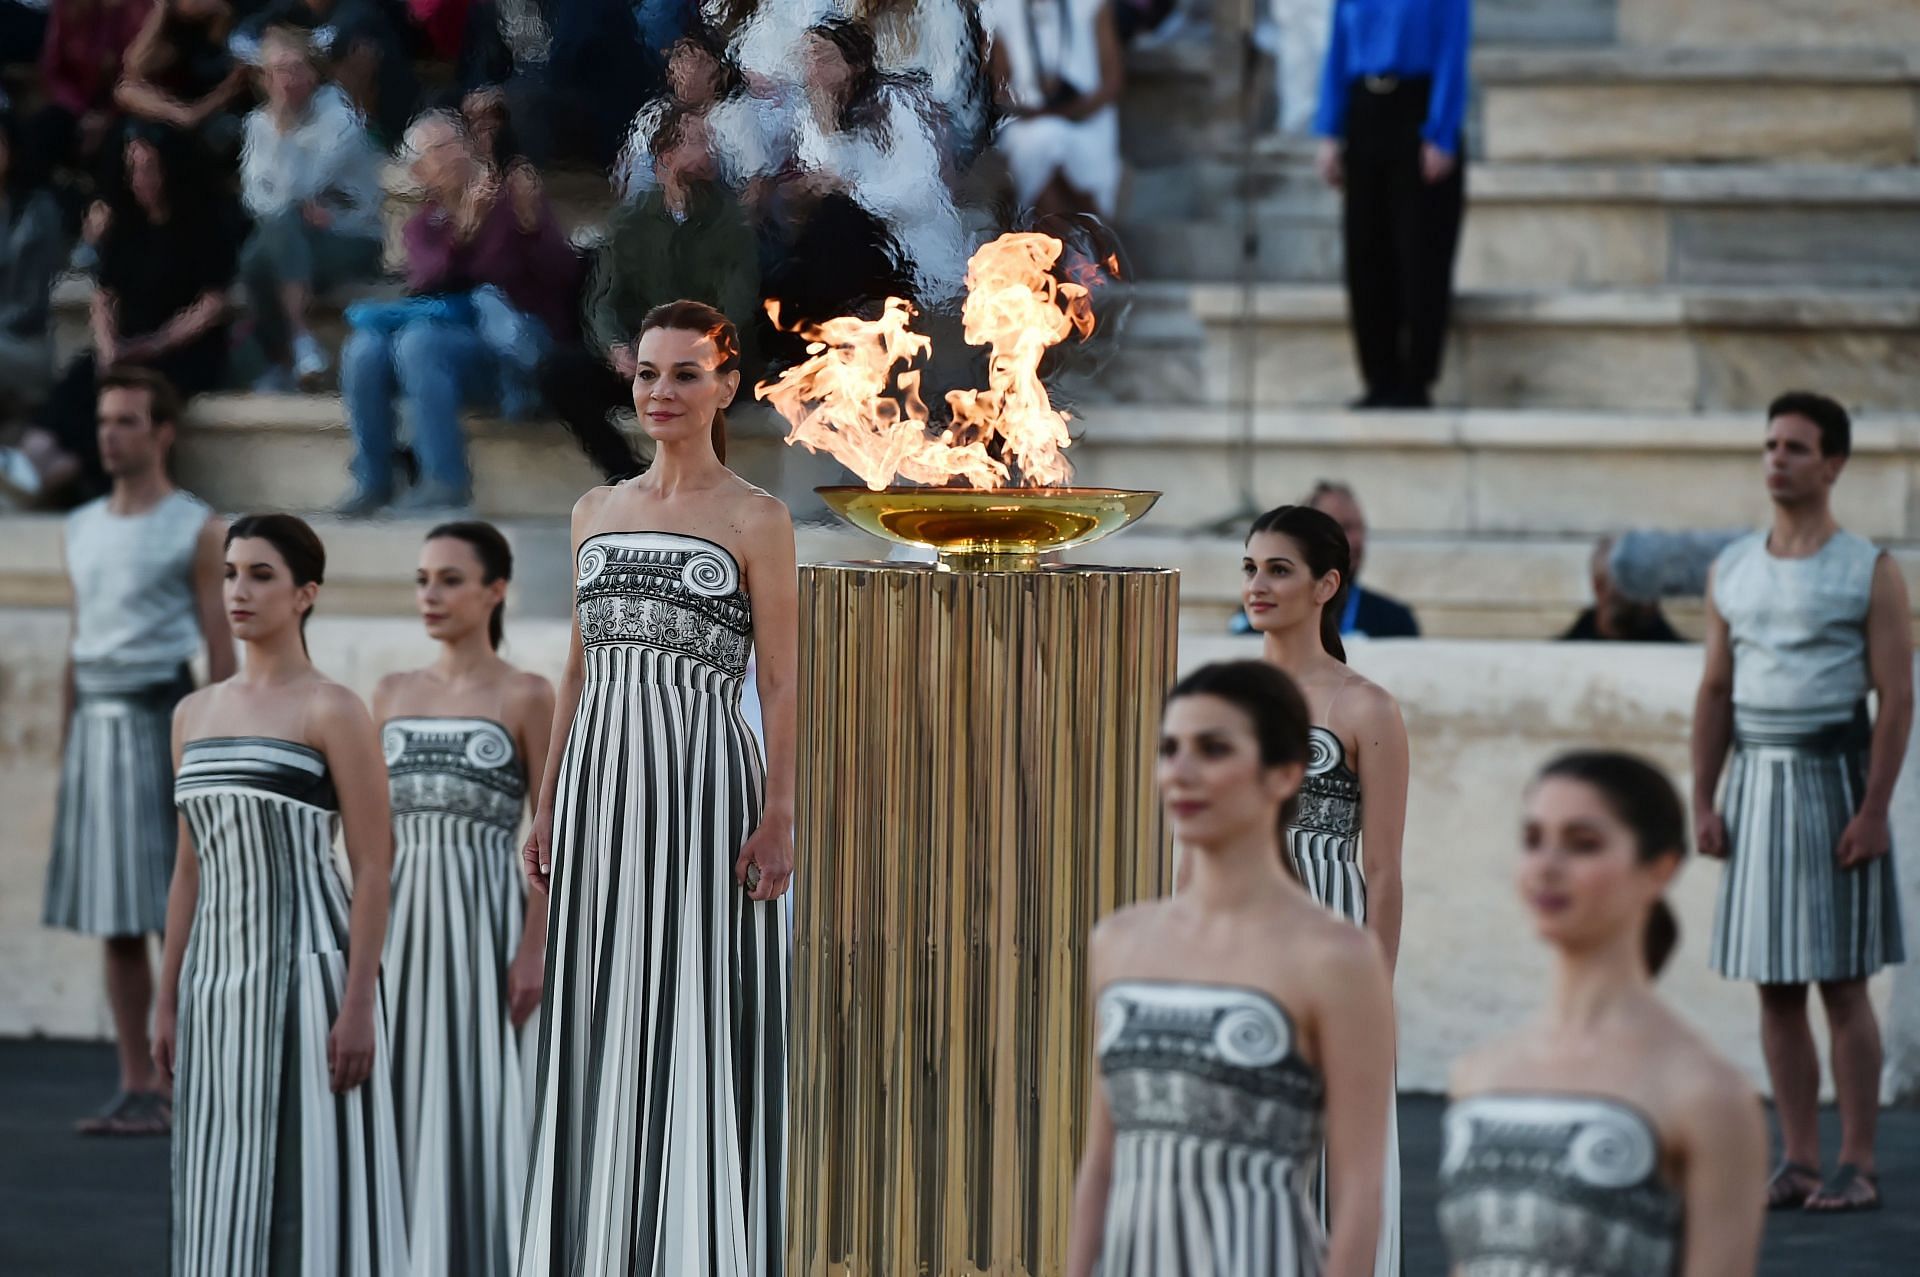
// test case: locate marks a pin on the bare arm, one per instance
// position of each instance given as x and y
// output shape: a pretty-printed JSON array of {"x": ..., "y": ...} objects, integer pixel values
[
  {"x": 1890, "y": 666},
  {"x": 209, "y": 602},
  {"x": 1381, "y": 736},
  {"x": 566, "y": 702},
  {"x": 183, "y": 327},
  {"x": 1726, "y": 1178},
  {"x": 1090, "y": 1187},
  {"x": 1354, "y": 1027},
  {"x": 1712, "y": 730},
  {"x": 183, "y": 896},
  {"x": 774, "y": 581},
  {"x": 345, "y": 733},
  {"x": 103, "y": 323},
  {"x": 531, "y": 710}
]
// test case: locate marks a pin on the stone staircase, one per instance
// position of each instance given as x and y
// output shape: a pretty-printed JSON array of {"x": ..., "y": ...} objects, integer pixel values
[{"x": 1677, "y": 209}]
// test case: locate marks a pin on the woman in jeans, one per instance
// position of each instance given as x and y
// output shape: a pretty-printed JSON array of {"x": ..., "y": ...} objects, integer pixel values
[{"x": 492, "y": 282}]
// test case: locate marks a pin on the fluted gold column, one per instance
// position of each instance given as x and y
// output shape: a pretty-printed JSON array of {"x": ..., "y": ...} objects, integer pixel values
[{"x": 976, "y": 790}]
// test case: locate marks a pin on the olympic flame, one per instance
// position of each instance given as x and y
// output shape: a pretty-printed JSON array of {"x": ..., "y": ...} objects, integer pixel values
[{"x": 854, "y": 398}]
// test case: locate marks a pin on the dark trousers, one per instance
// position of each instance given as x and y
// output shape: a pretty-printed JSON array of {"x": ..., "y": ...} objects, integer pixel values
[
  {"x": 585, "y": 392},
  {"x": 1400, "y": 234}
]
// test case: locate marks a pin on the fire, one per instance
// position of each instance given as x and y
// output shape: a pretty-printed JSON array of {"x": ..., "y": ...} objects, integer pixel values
[{"x": 848, "y": 401}]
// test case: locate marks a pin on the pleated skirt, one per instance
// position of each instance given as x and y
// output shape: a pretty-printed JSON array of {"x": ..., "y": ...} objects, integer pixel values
[
  {"x": 462, "y": 1076},
  {"x": 114, "y": 829},
  {"x": 1328, "y": 866},
  {"x": 1787, "y": 912},
  {"x": 659, "y": 1146}
]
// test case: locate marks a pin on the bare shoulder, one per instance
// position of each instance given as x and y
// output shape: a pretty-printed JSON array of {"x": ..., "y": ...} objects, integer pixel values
[
  {"x": 1701, "y": 1088},
  {"x": 1125, "y": 927},
  {"x": 1370, "y": 708},
  {"x": 1341, "y": 949},
  {"x": 187, "y": 711},
  {"x": 335, "y": 707},
  {"x": 586, "y": 511},
  {"x": 392, "y": 685},
  {"x": 760, "y": 509},
  {"x": 529, "y": 693}
]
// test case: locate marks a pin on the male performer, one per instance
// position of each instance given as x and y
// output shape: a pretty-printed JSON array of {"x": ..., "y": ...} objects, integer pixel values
[
  {"x": 1803, "y": 620},
  {"x": 1393, "y": 97},
  {"x": 146, "y": 563}
]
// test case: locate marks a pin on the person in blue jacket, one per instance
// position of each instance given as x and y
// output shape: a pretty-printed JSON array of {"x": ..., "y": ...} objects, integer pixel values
[{"x": 1393, "y": 97}]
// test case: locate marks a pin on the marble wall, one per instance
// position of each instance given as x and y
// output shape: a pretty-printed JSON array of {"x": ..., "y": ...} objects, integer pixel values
[{"x": 1482, "y": 717}]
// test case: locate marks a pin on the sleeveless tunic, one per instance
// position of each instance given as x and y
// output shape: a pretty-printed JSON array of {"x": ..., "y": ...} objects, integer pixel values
[
  {"x": 462, "y": 1092},
  {"x": 1323, "y": 849},
  {"x": 1787, "y": 912},
  {"x": 135, "y": 629},
  {"x": 273, "y": 1174},
  {"x": 1217, "y": 1126},
  {"x": 1555, "y": 1186},
  {"x": 659, "y": 1141}
]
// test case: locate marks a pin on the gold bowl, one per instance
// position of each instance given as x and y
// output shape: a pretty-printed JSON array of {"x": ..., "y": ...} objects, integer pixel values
[{"x": 989, "y": 529}]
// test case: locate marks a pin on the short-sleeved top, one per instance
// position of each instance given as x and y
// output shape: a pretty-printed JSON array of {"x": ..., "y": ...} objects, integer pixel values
[
  {"x": 155, "y": 270},
  {"x": 1798, "y": 626},
  {"x": 133, "y": 603}
]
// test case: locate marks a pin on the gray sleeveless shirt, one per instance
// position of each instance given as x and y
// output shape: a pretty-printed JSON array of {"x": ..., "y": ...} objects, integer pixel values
[
  {"x": 1799, "y": 626},
  {"x": 133, "y": 606}
]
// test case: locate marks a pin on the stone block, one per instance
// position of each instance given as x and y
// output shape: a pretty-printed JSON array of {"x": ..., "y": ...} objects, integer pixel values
[
  {"x": 1560, "y": 244},
  {"x": 1571, "y": 366},
  {"x": 1863, "y": 369},
  {"x": 1708, "y": 119},
  {"x": 1835, "y": 246},
  {"x": 1821, "y": 24}
]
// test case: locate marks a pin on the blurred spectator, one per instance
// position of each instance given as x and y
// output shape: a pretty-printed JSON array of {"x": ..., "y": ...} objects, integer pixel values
[
  {"x": 80, "y": 60},
  {"x": 745, "y": 132},
  {"x": 686, "y": 238},
  {"x": 1057, "y": 65},
  {"x": 1614, "y": 617},
  {"x": 310, "y": 178},
  {"x": 31, "y": 249},
  {"x": 942, "y": 44},
  {"x": 160, "y": 301},
  {"x": 492, "y": 284},
  {"x": 366, "y": 55},
  {"x": 1393, "y": 98},
  {"x": 1368, "y": 612},
  {"x": 23, "y": 28},
  {"x": 1648, "y": 565},
  {"x": 598, "y": 77},
  {"x": 442, "y": 24},
  {"x": 489, "y": 123},
  {"x": 865, "y": 212},
  {"x": 1294, "y": 34},
  {"x": 179, "y": 74}
]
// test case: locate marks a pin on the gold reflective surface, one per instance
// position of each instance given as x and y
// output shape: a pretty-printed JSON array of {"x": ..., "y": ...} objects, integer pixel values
[
  {"x": 985, "y": 529},
  {"x": 976, "y": 790}
]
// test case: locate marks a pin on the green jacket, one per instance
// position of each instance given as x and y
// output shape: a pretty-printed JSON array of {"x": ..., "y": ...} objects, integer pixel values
[{"x": 651, "y": 257}]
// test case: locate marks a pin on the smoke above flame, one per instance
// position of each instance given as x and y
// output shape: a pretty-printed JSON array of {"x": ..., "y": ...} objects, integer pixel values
[{"x": 856, "y": 399}]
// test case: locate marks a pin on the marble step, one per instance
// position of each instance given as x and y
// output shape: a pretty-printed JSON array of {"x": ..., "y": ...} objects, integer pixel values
[
  {"x": 1655, "y": 349},
  {"x": 1764, "y": 24},
  {"x": 1855, "y": 106},
  {"x": 1481, "y": 472},
  {"x": 1544, "y": 225}
]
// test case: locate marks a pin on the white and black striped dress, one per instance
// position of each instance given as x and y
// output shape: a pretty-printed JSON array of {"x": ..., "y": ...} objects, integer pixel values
[
  {"x": 1217, "y": 1126},
  {"x": 462, "y": 1090},
  {"x": 1323, "y": 848},
  {"x": 273, "y": 1174},
  {"x": 659, "y": 1141},
  {"x": 1788, "y": 913}
]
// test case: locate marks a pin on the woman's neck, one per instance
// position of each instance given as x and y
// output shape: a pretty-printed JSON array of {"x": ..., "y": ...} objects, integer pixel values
[
  {"x": 280, "y": 658},
  {"x": 1296, "y": 649},
  {"x": 685, "y": 465},
  {"x": 1591, "y": 986},
  {"x": 467, "y": 661},
  {"x": 1240, "y": 873}
]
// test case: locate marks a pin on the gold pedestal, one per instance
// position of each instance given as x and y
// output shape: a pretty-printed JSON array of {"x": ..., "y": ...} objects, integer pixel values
[{"x": 975, "y": 791}]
